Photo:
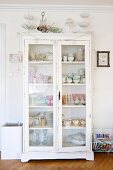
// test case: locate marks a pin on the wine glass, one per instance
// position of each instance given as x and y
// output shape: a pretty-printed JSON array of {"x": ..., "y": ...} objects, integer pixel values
[
  {"x": 49, "y": 100},
  {"x": 37, "y": 137},
  {"x": 45, "y": 136},
  {"x": 75, "y": 99}
]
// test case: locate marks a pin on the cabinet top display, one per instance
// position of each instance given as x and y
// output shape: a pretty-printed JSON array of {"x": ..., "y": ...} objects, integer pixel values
[{"x": 57, "y": 36}]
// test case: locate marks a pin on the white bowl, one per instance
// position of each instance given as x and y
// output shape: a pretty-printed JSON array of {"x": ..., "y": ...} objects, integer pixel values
[
  {"x": 83, "y": 24},
  {"x": 84, "y": 15}
]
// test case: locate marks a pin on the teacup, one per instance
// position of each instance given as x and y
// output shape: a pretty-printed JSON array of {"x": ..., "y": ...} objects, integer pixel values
[
  {"x": 69, "y": 80},
  {"x": 76, "y": 79},
  {"x": 81, "y": 72},
  {"x": 82, "y": 122},
  {"x": 64, "y": 79},
  {"x": 70, "y": 57},
  {"x": 64, "y": 58},
  {"x": 76, "y": 122},
  {"x": 67, "y": 123}
]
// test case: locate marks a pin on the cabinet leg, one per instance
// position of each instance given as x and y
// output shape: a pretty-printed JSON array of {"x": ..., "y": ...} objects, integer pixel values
[
  {"x": 24, "y": 158},
  {"x": 90, "y": 156}
]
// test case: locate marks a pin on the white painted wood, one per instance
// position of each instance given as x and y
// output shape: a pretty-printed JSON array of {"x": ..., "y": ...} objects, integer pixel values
[
  {"x": 14, "y": 134},
  {"x": 41, "y": 106},
  {"x": 74, "y": 106},
  {"x": 26, "y": 98},
  {"x": 74, "y": 62},
  {"x": 40, "y": 62},
  {"x": 58, "y": 150},
  {"x": 73, "y": 84},
  {"x": 61, "y": 7},
  {"x": 40, "y": 128},
  {"x": 72, "y": 2},
  {"x": 88, "y": 94},
  {"x": 41, "y": 156}
]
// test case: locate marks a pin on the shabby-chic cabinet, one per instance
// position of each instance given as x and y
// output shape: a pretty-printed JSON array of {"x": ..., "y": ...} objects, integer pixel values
[{"x": 57, "y": 97}]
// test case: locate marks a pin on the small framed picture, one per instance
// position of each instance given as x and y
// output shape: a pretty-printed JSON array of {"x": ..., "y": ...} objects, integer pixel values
[
  {"x": 103, "y": 58},
  {"x": 15, "y": 58}
]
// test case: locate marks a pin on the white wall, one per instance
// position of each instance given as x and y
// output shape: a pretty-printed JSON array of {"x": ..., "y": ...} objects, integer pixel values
[
  {"x": 101, "y": 25},
  {"x": 103, "y": 91},
  {"x": 2, "y": 76}
]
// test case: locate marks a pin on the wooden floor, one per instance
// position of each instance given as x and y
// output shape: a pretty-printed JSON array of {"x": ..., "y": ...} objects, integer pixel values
[{"x": 103, "y": 161}]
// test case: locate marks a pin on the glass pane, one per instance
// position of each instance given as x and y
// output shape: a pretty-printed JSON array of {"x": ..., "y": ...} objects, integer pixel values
[
  {"x": 72, "y": 138},
  {"x": 40, "y": 137},
  {"x": 41, "y": 99},
  {"x": 71, "y": 53},
  {"x": 41, "y": 127},
  {"x": 41, "y": 74},
  {"x": 40, "y": 52},
  {"x": 73, "y": 73},
  {"x": 40, "y": 118},
  {"x": 41, "y": 95},
  {"x": 73, "y": 96}
]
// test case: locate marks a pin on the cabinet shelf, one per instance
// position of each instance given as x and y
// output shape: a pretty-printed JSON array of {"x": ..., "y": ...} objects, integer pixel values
[
  {"x": 39, "y": 128},
  {"x": 40, "y": 106},
  {"x": 40, "y": 62},
  {"x": 67, "y": 106},
  {"x": 72, "y": 127},
  {"x": 73, "y": 84},
  {"x": 50, "y": 84},
  {"x": 73, "y": 62},
  {"x": 40, "y": 84}
]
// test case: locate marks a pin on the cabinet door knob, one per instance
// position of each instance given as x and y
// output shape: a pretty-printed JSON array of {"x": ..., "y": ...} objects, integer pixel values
[{"x": 59, "y": 95}]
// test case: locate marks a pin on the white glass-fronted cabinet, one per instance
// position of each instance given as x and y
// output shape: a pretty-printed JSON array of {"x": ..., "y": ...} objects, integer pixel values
[{"x": 57, "y": 97}]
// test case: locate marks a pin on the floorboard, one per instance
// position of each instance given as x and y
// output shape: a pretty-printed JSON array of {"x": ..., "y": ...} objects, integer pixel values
[{"x": 103, "y": 161}]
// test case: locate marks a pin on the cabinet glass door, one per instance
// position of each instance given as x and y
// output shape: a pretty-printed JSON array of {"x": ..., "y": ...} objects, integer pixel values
[
  {"x": 41, "y": 95},
  {"x": 73, "y": 91}
]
